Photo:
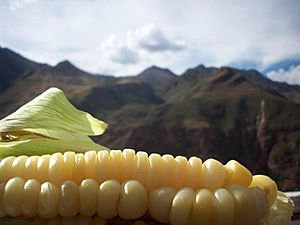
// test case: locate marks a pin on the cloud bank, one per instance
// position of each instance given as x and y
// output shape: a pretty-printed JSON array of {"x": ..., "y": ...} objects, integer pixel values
[
  {"x": 290, "y": 76},
  {"x": 139, "y": 48},
  {"x": 125, "y": 37}
]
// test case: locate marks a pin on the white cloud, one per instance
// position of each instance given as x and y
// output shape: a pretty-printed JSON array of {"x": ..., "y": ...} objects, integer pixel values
[
  {"x": 290, "y": 76},
  {"x": 18, "y": 4},
  {"x": 138, "y": 49},
  {"x": 152, "y": 39},
  {"x": 117, "y": 51},
  {"x": 247, "y": 33}
]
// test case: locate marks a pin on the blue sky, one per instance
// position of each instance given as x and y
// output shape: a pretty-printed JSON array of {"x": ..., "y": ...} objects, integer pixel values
[{"x": 124, "y": 37}]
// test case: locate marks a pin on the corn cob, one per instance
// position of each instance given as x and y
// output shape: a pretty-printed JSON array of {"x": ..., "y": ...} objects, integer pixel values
[
  {"x": 152, "y": 172},
  {"x": 234, "y": 205}
]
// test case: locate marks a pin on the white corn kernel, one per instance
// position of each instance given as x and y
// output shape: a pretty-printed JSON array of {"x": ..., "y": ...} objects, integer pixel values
[
  {"x": 224, "y": 208},
  {"x": 6, "y": 168},
  {"x": 88, "y": 197},
  {"x": 30, "y": 170},
  {"x": 116, "y": 158},
  {"x": 69, "y": 199},
  {"x": 108, "y": 196},
  {"x": 103, "y": 166},
  {"x": 17, "y": 168},
  {"x": 13, "y": 196},
  {"x": 141, "y": 168},
  {"x": 133, "y": 200},
  {"x": 30, "y": 197},
  {"x": 182, "y": 206},
  {"x": 56, "y": 169},
  {"x": 128, "y": 164},
  {"x": 69, "y": 162},
  {"x": 78, "y": 170},
  {"x": 203, "y": 208},
  {"x": 90, "y": 164},
  {"x": 160, "y": 202},
  {"x": 48, "y": 201},
  {"x": 43, "y": 168}
]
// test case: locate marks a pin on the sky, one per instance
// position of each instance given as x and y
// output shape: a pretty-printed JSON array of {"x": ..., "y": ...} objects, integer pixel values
[{"x": 123, "y": 37}]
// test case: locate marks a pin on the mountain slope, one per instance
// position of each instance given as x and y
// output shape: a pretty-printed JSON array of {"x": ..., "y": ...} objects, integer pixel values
[
  {"x": 208, "y": 112},
  {"x": 12, "y": 66}
]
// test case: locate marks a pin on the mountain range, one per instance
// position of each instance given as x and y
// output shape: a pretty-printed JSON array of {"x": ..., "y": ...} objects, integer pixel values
[{"x": 225, "y": 113}]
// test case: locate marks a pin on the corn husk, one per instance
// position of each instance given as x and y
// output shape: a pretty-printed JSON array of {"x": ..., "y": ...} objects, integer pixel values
[{"x": 49, "y": 123}]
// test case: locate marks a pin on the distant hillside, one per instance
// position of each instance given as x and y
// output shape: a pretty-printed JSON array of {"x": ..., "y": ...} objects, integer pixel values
[{"x": 208, "y": 112}]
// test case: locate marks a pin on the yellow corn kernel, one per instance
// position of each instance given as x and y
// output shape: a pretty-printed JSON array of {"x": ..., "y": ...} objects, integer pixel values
[
  {"x": 5, "y": 168},
  {"x": 128, "y": 164},
  {"x": 243, "y": 205},
  {"x": 267, "y": 185},
  {"x": 48, "y": 201},
  {"x": 116, "y": 158},
  {"x": 43, "y": 168},
  {"x": 69, "y": 162},
  {"x": 160, "y": 202},
  {"x": 103, "y": 167},
  {"x": 224, "y": 207},
  {"x": 88, "y": 197},
  {"x": 261, "y": 205},
  {"x": 69, "y": 199},
  {"x": 195, "y": 173},
  {"x": 13, "y": 196},
  {"x": 90, "y": 164},
  {"x": 182, "y": 206},
  {"x": 236, "y": 173},
  {"x": 133, "y": 200},
  {"x": 213, "y": 174},
  {"x": 107, "y": 199},
  {"x": 170, "y": 171},
  {"x": 56, "y": 168},
  {"x": 30, "y": 197},
  {"x": 203, "y": 208},
  {"x": 181, "y": 173},
  {"x": 141, "y": 171},
  {"x": 155, "y": 172}
]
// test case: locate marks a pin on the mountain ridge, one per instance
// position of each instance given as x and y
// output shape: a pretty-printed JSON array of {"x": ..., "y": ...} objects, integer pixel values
[{"x": 222, "y": 112}]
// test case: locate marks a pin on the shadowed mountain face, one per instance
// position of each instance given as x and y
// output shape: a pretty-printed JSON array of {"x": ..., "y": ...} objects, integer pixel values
[{"x": 208, "y": 112}]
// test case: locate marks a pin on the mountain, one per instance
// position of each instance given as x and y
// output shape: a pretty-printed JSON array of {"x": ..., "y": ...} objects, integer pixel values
[
  {"x": 223, "y": 113},
  {"x": 156, "y": 76},
  {"x": 291, "y": 92},
  {"x": 13, "y": 66}
]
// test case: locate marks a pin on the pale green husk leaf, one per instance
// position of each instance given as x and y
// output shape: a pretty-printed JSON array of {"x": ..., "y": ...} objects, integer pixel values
[
  {"x": 49, "y": 119},
  {"x": 44, "y": 146}
]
